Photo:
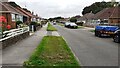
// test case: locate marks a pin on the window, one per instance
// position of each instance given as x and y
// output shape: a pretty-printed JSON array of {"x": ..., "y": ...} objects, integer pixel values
[
  {"x": 21, "y": 18},
  {"x": 17, "y": 18},
  {"x": 13, "y": 17}
]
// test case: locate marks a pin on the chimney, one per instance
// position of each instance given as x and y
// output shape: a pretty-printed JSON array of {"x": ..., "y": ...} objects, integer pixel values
[
  {"x": 4, "y": 0},
  {"x": 113, "y": 3},
  {"x": 37, "y": 15}
]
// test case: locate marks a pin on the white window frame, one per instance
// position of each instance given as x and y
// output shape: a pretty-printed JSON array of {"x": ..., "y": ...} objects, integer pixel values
[{"x": 13, "y": 17}]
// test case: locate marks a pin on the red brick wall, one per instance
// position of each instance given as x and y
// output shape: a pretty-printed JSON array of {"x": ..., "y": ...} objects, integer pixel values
[{"x": 114, "y": 21}]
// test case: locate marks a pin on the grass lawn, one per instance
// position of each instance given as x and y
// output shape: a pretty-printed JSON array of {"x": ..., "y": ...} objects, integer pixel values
[
  {"x": 53, "y": 52},
  {"x": 80, "y": 27},
  {"x": 60, "y": 24},
  {"x": 92, "y": 30},
  {"x": 51, "y": 28}
]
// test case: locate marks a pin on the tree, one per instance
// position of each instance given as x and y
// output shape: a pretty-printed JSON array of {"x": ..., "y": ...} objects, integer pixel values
[
  {"x": 97, "y": 6},
  {"x": 73, "y": 20},
  {"x": 55, "y": 18}
]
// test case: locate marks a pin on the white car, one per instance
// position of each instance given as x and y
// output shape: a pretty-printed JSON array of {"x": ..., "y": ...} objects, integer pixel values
[
  {"x": 71, "y": 25},
  {"x": 67, "y": 24}
]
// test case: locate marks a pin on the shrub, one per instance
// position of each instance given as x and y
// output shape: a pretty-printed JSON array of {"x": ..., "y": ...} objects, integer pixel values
[
  {"x": 8, "y": 27},
  {"x": 73, "y": 20},
  {"x": 3, "y": 24},
  {"x": 33, "y": 23},
  {"x": 80, "y": 23},
  {"x": 19, "y": 22}
]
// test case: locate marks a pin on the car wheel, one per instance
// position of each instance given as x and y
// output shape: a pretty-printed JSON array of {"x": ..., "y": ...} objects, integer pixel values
[
  {"x": 99, "y": 34},
  {"x": 76, "y": 27},
  {"x": 96, "y": 33},
  {"x": 116, "y": 39}
]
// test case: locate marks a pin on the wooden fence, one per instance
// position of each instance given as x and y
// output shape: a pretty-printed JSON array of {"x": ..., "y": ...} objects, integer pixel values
[{"x": 14, "y": 32}]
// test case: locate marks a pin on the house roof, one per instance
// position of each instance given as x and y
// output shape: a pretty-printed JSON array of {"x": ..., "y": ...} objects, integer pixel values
[
  {"x": 116, "y": 13},
  {"x": 6, "y": 8},
  {"x": 3, "y": 7},
  {"x": 27, "y": 13},
  {"x": 87, "y": 16},
  {"x": 107, "y": 13},
  {"x": 17, "y": 10}
]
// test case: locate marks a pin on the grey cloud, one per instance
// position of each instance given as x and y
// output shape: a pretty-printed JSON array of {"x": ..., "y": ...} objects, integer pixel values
[{"x": 51, "y": 10}]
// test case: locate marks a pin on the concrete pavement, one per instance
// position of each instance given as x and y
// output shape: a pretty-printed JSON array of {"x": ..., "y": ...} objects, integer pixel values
[
  {"x": 52, "y": 33},
  {"x": 16, "y": 54}
]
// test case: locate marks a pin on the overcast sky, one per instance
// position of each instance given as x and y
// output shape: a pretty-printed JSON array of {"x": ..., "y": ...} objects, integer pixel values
[{"x": 54, "y": 8}]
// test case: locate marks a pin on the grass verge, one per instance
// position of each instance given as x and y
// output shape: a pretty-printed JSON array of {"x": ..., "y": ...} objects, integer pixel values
[
  {"x": 60, "y": 24},
  {"x": 92, "y": 30},
  {"x": 80, "y": 27},
  {"x": 53, "y": 52},
  {"x": 51, "y": 28}
]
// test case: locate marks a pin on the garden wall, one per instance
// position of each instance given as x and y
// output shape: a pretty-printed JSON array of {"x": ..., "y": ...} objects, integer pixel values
[{"x": 13, "y": 40}]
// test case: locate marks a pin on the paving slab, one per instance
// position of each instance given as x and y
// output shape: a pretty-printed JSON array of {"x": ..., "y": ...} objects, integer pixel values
[{"x": 55, "y": 33}]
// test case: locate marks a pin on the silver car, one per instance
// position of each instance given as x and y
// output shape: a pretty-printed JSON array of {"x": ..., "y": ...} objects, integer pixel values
[{"x": 71, "y": 25}]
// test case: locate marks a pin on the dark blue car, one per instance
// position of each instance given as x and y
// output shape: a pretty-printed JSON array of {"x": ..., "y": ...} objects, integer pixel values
[
  {"x": 116, "y": 36},
  {"x": 105, "y": 30}
]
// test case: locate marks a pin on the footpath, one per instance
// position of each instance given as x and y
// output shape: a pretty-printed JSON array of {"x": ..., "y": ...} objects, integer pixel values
[{"x": 16, "y": 54}]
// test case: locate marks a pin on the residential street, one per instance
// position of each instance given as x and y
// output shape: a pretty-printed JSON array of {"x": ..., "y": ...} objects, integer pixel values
[
  {"x": 60, "y": 33},
  {"x": 90, "y": 50}
]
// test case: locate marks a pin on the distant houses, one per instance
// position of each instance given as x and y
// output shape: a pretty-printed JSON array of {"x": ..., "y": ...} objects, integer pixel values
[
  {"x": 109, "y": 16},
  {"x": 86, "y": 19},
  {"x": 14, "y": 14}
]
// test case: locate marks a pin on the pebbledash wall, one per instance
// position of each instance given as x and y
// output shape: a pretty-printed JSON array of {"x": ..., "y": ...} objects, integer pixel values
[{"x": 13, "y": 40}]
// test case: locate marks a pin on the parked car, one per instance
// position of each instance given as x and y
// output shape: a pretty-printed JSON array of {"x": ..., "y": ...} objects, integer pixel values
[
  {"x": 67, "y": 24},
  {"x": 116, "y": 36},
  {"x": 54, "y": 23},
  {"x": 105, "y": 30},
  {"x": 73, "y": 25},
  {"x": 70, "y": 25}
]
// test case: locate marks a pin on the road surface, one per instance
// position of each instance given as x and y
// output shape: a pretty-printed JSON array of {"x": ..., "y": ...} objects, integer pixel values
[{"x": 90, "y": 50}]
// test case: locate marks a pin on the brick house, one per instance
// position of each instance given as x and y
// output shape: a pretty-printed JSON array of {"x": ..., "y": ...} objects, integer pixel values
[
  {"x": 11, "y": 14},
  {"x": 30, "y": 15},
  {"x": 108, "y": 15},
  {"x": 114, "y": 19},
  {"x": 86, "y": 19}
]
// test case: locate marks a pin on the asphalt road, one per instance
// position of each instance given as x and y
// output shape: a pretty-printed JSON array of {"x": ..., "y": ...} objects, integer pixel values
[{"x": 90, "y": 50}]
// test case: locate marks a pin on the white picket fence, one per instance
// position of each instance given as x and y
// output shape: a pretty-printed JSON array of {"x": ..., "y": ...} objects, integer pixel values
[{"x": 13, "y": 32}]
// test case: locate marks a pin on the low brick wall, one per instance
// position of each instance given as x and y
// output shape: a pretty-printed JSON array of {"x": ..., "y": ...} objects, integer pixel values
[{"x": 13, "y": 40}]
